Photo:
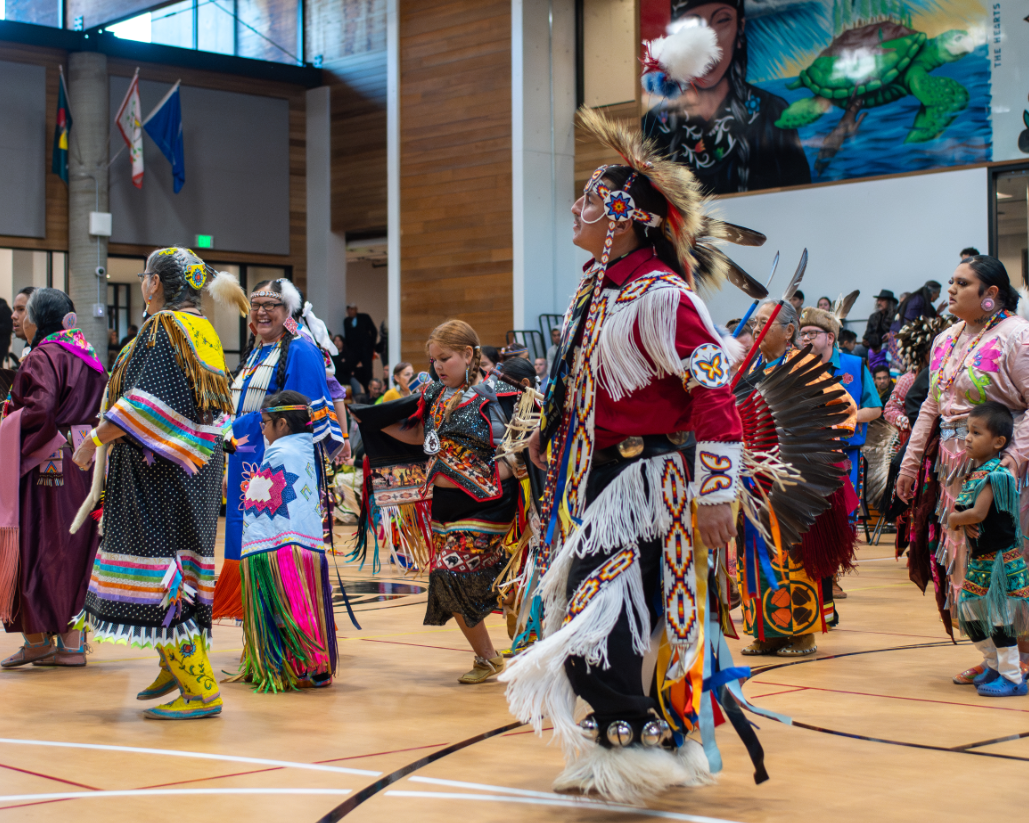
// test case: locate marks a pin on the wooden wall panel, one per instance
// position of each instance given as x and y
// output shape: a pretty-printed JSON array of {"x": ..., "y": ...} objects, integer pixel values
[
  {"x": 589, "y": 154},
  {"x": 358, "y": 84},
  {"x": 455, "y": 168}
]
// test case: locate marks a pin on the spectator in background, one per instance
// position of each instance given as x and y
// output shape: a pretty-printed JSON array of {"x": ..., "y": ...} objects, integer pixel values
[
  {"x": 540, "y": 364},
  {"x": 917, "y": 304},
  {"x": 797, "y": 300},
  {"x": 883, "y": 382},
  {"x": 489, "y": 357},
  {"x": 514, "y": 351},
  {"x": 382, "y": 347},
  {"x": 344, "y": 365},
  {"x": 360, "y": 335},
  {"x": 130, "y": 335},
  {"x": 21, "y": 300},
  {"x": 402, "y": 374},
  {"x": 848, "y": 341},
  {"x": 824, "y": 303},
  {"x": 375, "y": 391},
  {"x": 969, "y": 251},
  {"x": 6, "y": 329},
  {"x": 112, "y": 347},
  {"x": 878, "y": 327},
  {"x": 555, "y": 342}
]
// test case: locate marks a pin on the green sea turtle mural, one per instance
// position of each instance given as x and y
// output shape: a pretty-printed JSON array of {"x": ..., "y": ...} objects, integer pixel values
[{"x": 873, "y": 63}]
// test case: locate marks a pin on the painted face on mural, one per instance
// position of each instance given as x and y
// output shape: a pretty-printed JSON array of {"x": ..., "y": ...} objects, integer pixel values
[{"x": 726, "y": 25}]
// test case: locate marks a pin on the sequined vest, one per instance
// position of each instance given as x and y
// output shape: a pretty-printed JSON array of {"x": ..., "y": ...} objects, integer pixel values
[{"x": 466, "y": 452}]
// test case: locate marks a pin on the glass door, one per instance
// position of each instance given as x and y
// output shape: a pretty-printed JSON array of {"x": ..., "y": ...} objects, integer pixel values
[{"x": 1010, "y": 223}]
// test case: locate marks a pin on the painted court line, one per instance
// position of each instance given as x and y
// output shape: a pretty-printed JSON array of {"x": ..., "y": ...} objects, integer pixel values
[
  {"x": 559, "y": 801},
  {"x": 20, "y": 798},
  {"x": 900, "y": 697},
  {"x": 552, "y": 796},
  {"x": 257, "y": 761}
]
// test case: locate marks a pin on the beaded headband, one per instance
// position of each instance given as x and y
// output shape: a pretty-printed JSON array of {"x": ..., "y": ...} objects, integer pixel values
[{"x": 272, "y": 409}]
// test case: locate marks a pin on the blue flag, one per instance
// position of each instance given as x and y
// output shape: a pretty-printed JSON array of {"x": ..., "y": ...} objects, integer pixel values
[{"x": 164, "y": 125}]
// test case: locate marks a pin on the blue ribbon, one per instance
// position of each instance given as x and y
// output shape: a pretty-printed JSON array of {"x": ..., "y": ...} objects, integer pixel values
[{"x": 562, "y": 476}]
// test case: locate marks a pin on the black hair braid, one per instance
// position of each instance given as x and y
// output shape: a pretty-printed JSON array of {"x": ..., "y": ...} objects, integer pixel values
[
  {"x": 251, "y": 342},
  {"x": 280, "y": 372}
]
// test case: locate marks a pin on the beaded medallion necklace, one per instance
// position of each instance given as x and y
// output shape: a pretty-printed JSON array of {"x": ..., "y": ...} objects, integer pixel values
[{"x": 997, "y": 318}]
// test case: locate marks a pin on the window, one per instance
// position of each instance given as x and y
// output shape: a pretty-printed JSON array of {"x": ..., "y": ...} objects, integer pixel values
[{"x": 259, "y": 29}]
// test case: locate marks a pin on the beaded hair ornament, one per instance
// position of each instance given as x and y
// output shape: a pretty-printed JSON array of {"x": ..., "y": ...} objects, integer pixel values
[
  {"x": 619, "y": 207},
  {"x": 277, "y": 409}
]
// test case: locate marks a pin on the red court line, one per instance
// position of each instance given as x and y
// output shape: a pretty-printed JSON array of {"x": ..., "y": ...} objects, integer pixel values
[
  {"x": 897, "y": 697},
  {"x": 281, "y": 768},
  {"x": 50, "y": 777},
  {"x": 376, "y": 754},
  {"x": 771, "y": 694},
  {"x": 419, "y": 645}
]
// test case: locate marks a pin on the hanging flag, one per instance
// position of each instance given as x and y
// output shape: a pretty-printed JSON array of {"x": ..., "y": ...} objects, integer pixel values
[
  {"x": 59, "y": 163},
  {"x": 164, "y": 125},
  {"x": 128, "y": 122}
]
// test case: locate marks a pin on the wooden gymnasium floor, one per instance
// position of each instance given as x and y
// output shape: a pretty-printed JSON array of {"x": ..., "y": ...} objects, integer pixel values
[{"x": 879, "y": 731}]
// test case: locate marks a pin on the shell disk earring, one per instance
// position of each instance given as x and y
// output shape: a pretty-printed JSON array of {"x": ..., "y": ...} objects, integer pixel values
[{"x": 988, "y": 305}]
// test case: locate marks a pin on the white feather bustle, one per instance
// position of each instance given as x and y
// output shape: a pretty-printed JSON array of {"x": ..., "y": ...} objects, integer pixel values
[
  {"x": 225, "y": 289},
  {"x": 634, "y": 774},
  {"x": 688, "y": 52}
]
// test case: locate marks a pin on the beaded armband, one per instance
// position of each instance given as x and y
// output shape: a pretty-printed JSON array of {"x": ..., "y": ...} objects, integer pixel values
[{"x": 716, "y": 472}]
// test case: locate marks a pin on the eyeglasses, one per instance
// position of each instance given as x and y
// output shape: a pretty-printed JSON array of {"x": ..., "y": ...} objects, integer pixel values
[
  {"x": 144, "y": 274},
  {"x": 811, "y": 335},
  {"x": 255, "y": 308}
]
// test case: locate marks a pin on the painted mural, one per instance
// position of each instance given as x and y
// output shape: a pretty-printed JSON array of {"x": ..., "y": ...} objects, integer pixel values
[{"x": 823, "y": 90}]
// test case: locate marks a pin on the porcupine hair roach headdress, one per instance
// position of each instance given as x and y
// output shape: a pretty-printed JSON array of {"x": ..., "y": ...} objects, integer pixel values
[
  {"x": 916, "y": 338},
  {"x": 686, "y": 224}
]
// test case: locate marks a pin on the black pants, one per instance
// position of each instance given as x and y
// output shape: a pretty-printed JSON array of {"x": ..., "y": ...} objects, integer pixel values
[
  {"x": 616, "y": 693},
  {"x": 1001, "y": 639}
]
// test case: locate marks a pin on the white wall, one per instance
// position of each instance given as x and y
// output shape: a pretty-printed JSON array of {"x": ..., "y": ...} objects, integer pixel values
[
  {"x": 893, "y": 234},
  {"x": 544, "y": 266}
]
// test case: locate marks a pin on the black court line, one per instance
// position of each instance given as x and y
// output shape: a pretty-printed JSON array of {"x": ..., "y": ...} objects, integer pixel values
[
  {"x": 351, "y": 803},
  {"x": 964, "y": 749}
]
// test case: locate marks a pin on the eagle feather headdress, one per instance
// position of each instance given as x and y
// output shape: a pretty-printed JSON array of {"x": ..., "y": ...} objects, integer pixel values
[{"x": 689, "y": 226}]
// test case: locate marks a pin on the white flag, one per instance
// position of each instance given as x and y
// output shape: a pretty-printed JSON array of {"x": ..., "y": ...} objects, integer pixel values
[{"x": 129, "y": 120}]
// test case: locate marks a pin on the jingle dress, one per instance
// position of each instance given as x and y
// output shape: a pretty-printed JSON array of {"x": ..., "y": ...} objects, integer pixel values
[
  {"x": 468, "y": 523},
  {"x": 965, "y": 371},
  {"x": 153, "y": 579},
  {"x": 256, "y": 380},
  {"x": 60, "y": 384}
]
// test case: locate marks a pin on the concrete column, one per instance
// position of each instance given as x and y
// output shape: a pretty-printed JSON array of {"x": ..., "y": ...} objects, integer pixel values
[
  {"x": 546, "y": 268},
  {"x": 326, "y": 251},
  {"x": 88, "y": 191}
]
